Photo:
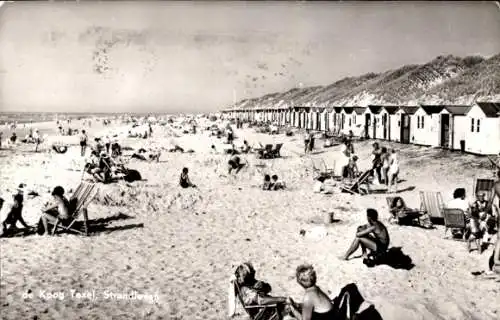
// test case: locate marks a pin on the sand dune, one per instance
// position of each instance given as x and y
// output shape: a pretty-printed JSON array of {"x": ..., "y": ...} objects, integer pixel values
[{"x": 182, "y": 245}]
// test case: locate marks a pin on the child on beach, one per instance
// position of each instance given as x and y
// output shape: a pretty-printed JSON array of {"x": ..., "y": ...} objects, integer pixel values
[
  {"x": 14, "y": 215},
  {"x": 393, "y": 172},
  {"x": 184, "y": 181},
  {"x": 235, "y": 164},
  {"x": 267, "y": 183},
  {"x": 352, "y": 168},
  {"x": 58, "y": 210},
  {"x": 475, "y": 231},
  {"x": 276, "y": 184}
]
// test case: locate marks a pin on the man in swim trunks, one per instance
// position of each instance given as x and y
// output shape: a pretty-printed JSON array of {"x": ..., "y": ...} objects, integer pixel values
[{"x": 373, "y": 236}]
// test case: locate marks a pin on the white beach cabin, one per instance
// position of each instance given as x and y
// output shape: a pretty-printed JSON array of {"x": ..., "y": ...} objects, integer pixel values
[
  {"x": 479, "y": 131},
  {"x": 401, "y": 124}
]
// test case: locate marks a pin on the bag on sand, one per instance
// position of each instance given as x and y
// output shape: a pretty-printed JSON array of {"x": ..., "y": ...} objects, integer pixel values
[{"x": 132, "y": 175}]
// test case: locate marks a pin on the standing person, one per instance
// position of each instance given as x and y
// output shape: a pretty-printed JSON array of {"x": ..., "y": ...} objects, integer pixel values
[
  {"x": 83, "y": 142},
  {"x": 306, "y": 141},
  {"x": 373, "y": 236},
  {"x": 385, "y": 165},
  {"x": 393, "y": 171},
  {"x": 1, "y": 136},
  {"x": 311, "y": 141},
  {"x": 36, "y": 138},
  {"x": 107, "y": 144},
  {"x": 377, "y": 161}
]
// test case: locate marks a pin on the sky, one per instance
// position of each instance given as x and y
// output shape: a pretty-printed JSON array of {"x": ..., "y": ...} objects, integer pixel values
[{"x": 202, "y": 56}]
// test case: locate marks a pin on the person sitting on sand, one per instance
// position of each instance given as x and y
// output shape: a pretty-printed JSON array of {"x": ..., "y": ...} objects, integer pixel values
[
  {"x": 316, "y": 304},
  {"x": 14, "y": 214},
  {"x": 184, "y": 181},
  {"x": 235, "y": 164},
  {"x": 213, "y": 150},
  {"x": 116, "y": 149},
  {"x": 276, "y": 184},
  {"x": 256, "y": 292},
  {"x": 13, "y": 138},
  {"x": 246, "y": 147},
  {"x": 373, "y": 236},
  {"x": 58, "y": 210},
  {"x": 99, "y": 147},
  {"x": 266, "y": 185}
]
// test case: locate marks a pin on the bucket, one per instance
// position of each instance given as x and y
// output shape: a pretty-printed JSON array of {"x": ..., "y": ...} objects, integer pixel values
[{"x": 328, "y": 216}]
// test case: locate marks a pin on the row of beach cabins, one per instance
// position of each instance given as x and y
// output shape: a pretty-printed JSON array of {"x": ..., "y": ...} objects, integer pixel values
[{"x": 474, "y": 129}]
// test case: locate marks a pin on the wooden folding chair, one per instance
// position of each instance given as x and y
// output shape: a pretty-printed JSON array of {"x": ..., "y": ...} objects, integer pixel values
[
  {"x": 267, "y": 152},
  {"x": 453, "y": 219},
  {"x": 432, "y": 204},
  {"x": 258, "y": 312},
  {"x": 81, "y": 198},
  {"x": 354, "y": 187}
]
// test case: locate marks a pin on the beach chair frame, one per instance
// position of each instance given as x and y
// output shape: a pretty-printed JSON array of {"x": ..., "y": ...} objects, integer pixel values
[
  {"x": 354, "y": 187},
  {"x": 262, "y": 308},
  {"x": 83, "y": 195},
  {"x": 484, "y": 185},
  {"x": 432, "y": 203},
  {"x": 453, "y": 219}
]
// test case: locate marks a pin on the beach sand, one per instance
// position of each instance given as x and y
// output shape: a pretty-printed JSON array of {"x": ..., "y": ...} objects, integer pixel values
[{"x": 182, "y": 244}]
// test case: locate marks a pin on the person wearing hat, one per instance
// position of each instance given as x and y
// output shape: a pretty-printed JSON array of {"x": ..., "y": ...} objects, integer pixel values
[{"x": 57, "y": 210}]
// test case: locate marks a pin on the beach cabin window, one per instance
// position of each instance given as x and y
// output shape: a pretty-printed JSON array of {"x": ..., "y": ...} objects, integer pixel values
[
  {"x": 399, "y": 123},
  {"x": 422, "y": 122},
  {"x": 472, "y": 125},
  {"x": 350, "y": 122},
  {"x": 418, "y": 122},
  {"x": 478, "y": 122}
]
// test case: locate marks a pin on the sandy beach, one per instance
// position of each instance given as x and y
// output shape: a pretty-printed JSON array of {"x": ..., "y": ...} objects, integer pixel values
[{"x": 178, "y": 247}]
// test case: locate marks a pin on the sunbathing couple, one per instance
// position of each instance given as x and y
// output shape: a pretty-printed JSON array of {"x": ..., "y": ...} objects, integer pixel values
[
  {"x": 316, "y": 304},
  {"x": 272, "y": 183}
]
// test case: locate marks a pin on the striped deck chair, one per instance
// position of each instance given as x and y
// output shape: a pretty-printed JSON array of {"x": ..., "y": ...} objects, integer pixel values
[
  {"x": 81, "y": 198},
  {"x": 258, "y": 312},
  {"x": 484, "y": 185},
  {"x": 432, "y": 204},
  {"x": 320, "y": 168}
]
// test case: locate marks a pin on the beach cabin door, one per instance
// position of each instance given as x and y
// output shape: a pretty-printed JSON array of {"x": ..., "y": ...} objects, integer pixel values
[
  {"x": 367, "y": 125},
  {"x": 384, "y": 123},
  {"x": 445, "y": 131},
  {"x": 405, "y": 128},
  {"x": 374, "y": 127}
]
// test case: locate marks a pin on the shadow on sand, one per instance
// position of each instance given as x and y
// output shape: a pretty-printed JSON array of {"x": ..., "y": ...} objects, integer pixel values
[{"x": 394, "y": 257}]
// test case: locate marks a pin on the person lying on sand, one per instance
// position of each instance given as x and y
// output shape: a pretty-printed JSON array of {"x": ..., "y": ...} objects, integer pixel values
[
  {"x": 373, "y": 236},
  {"x": 320, "y": 187},
  {"x": 235, "y": 164},
  {"x": 184, "y": 181},
  {"x": 316, "y": 304},
  {"x": 276, "y": 184},
  {"x": 58, "y": 210},
  {"x": 256, "y": 292},
  {"x": 14, "y": 214}
]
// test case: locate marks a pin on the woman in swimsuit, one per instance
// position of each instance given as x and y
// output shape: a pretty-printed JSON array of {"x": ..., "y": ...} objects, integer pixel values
[
  {"x": 184, "y": 181},
  {"x": 316, "y": 305}
]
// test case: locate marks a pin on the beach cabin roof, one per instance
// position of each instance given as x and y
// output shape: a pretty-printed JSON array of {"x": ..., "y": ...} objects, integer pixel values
[
  {"x": 337, "y": 109},
  {"x": 391, "y": 109},
  {"x": 359, "y": 110},
  {"x": 408, "y": 109},
  {"x": 347, "y": 110},
  {"x": 490, "y": 109},
  {"x": 459, "y": 110},
  {"x": 375, "y": 109}
]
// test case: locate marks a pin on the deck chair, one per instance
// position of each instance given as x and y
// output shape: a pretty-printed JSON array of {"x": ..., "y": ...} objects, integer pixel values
[
  {"x": 484, "y": 185},
  {"x": 453, "y": 219},
  {"x": 320, "y": 168},
  {"x": 258, "y": 312},
  {"x": 81, "y": 198},
  {"x": 354, "y": 187},
  {"x": 267, "y": 152},
  {"x": 432, "y": 204},
  {"x": 275, "y": 153}
]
